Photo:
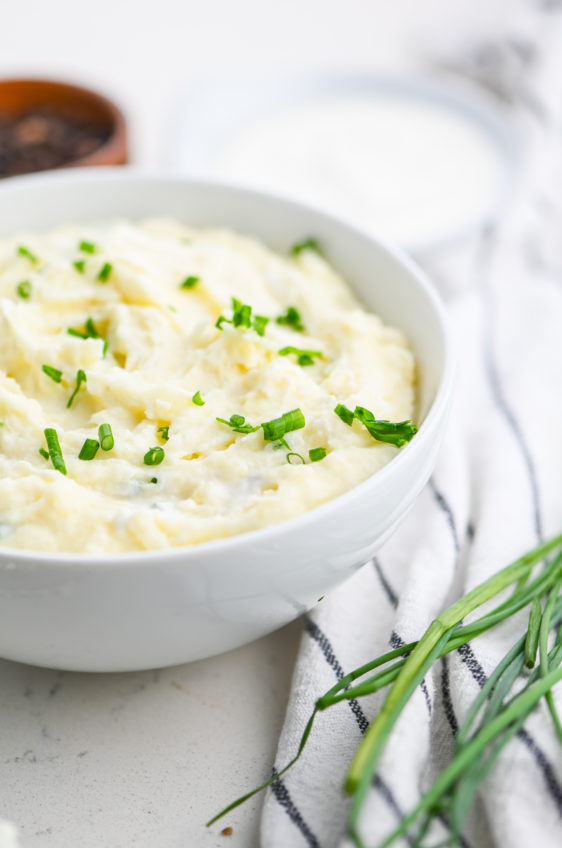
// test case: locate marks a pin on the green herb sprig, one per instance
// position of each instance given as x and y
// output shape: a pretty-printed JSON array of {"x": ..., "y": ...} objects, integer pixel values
[
  {"x": 54, "y": 448},
  {"x": 501, "y": 707},
  {"x": 238, "y": 424}
]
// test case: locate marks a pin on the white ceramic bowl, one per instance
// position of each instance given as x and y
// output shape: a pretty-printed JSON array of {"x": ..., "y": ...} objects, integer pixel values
[{"x": 143, "y": 610}]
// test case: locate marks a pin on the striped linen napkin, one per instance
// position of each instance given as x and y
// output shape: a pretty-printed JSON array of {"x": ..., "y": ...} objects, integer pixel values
[{"x": 495, "y": 493}]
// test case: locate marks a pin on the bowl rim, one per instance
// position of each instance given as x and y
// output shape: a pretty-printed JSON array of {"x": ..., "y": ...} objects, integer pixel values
[
  {"x": 114, "y": 150},
  {"x": 271, "y": 532}
]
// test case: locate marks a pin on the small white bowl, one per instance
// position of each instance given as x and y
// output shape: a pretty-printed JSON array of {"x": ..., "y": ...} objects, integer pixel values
[{"x": 144, "y": 610}]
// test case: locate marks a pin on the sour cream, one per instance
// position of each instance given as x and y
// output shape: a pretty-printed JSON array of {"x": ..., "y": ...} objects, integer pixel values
[{"x": 142, "y": 301}]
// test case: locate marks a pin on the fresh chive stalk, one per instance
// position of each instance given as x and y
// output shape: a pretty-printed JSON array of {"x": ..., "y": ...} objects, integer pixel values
[
  {"x": 87, "y": 247},
  {"x": 286, "y": 423},
  {"x": 502, "y": 707},
  {"x": 394, "y": 433}
]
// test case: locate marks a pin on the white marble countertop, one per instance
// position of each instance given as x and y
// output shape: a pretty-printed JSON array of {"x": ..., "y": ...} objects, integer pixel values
[{"x": 143, "y": 759}]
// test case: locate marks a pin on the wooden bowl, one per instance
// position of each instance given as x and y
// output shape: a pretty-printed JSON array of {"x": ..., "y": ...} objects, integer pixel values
[{"x": 19, "y": 96}]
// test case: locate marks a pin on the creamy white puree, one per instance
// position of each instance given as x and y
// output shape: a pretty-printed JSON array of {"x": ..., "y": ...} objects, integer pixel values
[{"x": 162, "y": 347}]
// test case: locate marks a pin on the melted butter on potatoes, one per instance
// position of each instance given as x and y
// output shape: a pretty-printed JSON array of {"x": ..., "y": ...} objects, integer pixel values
[{"x": 146, "y": 344}]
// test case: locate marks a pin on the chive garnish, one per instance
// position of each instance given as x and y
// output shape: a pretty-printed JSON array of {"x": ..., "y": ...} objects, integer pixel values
[
  {"x": 306, "y": 244},
  {"x": 189, "y": 282},
  {"x": 277, "y": 427},
  {"x": 163, "y": 432},
  {"x": 154, "y": 479},
  {"x": 154, "y": 456},
  {"x": 89, "y": 332},
  {"x": 89, "y": 449},
  {"x": 238, "y": 424},
  {"x": 242, "y": 317},
  {"x": 55, "y": 453},
  {"x": 299, "y": 457},
  {"x": 259, "y": 324},
  {"x": 197, "y": 399},
  {"x": 44, "y": 453},
  {"x": 51, "y": 372},
  {"x": 80, "y": 265},
  {"x": 346, "y": 415},
  {"x": 87, "y": 247},
  {"x": 24, "y": 289},
  {"x": 304, "y": 357},
  {"x": 106, "y": 270},
  {"x": 80, "y": 378},
  {"x": 25, "y": 251},
  {"x": 393, "y": 433},
  {"x": 292, "y": 319},
  {"x": 315, "y": 454},
  {"x": 106, "y": 437},
  {"x": 397, "y": 434}
]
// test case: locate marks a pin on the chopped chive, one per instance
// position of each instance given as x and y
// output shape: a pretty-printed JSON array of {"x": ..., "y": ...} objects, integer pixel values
[
  {"x": 55, "y": 452},
  {"x": 292, "y": 319},
  {"x": 154, "y": 479},
  {"x": 306, "y": 244},
  {"x": 106, "y": 270},
  {"x": 189, "y": 282},
  {"x": 292, "y": 453},
  {"x": 282, "y": 443},
  {"x": 259, "y": 324},
  {"x": 163, "y": 432},
  {"x": 277, "y": 427},
  {"x": 346, "y": 415},
  {"x": 87, "y": 247},
  {"x": 80, "y": 378},
  {"x": 89, "y": 332},
  {"x": 197, "y": 399},
  {"x": 394, "y": 433},
  {"x": 315, "y": 454},
  {"x": 51, "y": 372},
  {"x": 24, "y": 289},
  {"x": 242, "y": 317},
  {"x": 44, "y": 453},
  {"x": 106, "y": 437},
  {"x": 172, "y": 308},
  {"x": 304, "y": 357},
  {"x": 154, "y": 456},
  {"x": 80, "y": 265},
  {"x": 533, "y": 630},
  {"x": 238, "y": 424},
  {"x": 25, "y": 251},
  {"x": 89, "y": 449}
]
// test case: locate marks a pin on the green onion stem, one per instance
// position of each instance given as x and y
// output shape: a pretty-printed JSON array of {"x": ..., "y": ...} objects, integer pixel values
[
  {"x": 105, "y": 435},
  {"x": 54, "y": 448}
]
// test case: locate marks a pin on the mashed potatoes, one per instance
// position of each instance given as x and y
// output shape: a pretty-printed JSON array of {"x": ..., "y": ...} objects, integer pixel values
[{"x": 116, "y": 325}]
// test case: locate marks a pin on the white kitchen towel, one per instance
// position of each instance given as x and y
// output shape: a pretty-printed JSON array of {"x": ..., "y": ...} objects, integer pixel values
[{"x": 495, "y": 493}]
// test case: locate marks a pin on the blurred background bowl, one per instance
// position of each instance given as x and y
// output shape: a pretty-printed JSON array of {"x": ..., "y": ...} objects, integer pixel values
[{"x": 47, "y": 124}]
